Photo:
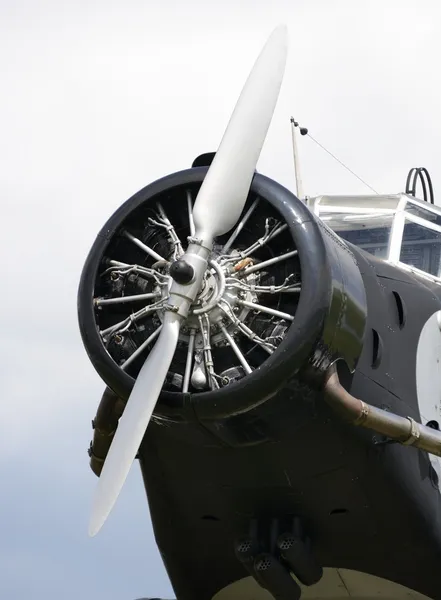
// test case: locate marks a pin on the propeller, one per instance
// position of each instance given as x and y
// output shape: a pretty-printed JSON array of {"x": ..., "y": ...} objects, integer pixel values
[{"x": 217, "y": 208}]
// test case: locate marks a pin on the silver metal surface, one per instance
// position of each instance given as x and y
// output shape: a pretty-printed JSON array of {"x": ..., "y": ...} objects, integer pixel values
[
  {"x": 143, "y": 312},
  {"x": 164, "y": 221},
  {"x": 239, "y": 227},
  {"x": 189, "y": 361},
  {"x": 141, "y": 348},
  {"x": 269, "y": 235},
  {"x": 268, "y": 263},
  {"x": 266, "y": 309},
  {"x": 236, "y": 349},
  {"x": 125, "y": 299},
  {"x": 295, "y": 151},
  {"x": 143, "y": 246}
]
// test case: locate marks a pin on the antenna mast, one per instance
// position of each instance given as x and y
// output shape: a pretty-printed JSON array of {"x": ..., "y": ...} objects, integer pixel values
[{"x": 303, "y": 131}]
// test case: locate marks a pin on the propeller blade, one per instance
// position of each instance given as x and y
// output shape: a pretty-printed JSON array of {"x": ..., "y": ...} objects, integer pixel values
[
  {"x": 134, "y": 421},
  {"x": 217, "y": 209},
  {"x": 225, "y": 188}
]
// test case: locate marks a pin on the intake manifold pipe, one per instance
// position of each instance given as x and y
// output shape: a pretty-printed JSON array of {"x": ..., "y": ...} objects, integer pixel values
[{"x": 401, "y": 429}]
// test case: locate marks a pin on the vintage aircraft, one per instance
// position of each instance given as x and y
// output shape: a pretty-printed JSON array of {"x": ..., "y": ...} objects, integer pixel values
[{"x": 270, "y": 360}]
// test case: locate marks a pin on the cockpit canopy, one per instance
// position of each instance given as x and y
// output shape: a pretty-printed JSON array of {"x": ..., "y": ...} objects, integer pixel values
[{"x": 397, "y": 228}]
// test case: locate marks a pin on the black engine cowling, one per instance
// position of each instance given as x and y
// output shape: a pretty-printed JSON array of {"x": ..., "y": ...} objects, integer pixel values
[{"x": 325, "y": 302}]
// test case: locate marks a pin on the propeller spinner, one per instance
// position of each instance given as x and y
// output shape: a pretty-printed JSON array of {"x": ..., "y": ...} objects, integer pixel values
[{"x": 217, "y": 208}]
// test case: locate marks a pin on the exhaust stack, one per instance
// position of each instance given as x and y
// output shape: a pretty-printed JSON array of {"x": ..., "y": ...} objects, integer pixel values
[{"x": 404, "y": 430}]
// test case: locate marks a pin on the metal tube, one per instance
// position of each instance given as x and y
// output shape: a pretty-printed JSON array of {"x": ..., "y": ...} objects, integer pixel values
[
  {"x": 245, "y": 329},
  {"x": 189, "y": 361},
  {"x": 143, "y": 246},
  {"x": 266, "y": 309},
  {"x": 208, "y": 357},
  {"x": 141, "y": 348},
  {"x": 239, "y": 227},
  {"x": 295, "y": 150},
  {"x": 132, "y": 318},
  {"x": 236, "y": 350},
  {"x": 401, "y": 429},
  {"x": 268, "y": 263},
  {"x": 264, "y": 240},
  {"x": 124, "y": 299},
  {"x": 104, "y": 426},
  {"x": 171, "y": 231},
  {"x": 148, "y": 272}
]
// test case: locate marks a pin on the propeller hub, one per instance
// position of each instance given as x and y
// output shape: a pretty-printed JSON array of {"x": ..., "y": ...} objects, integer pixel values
[
  {"x": 214, "y": 293},
  {"x": 182, "y": 272}
]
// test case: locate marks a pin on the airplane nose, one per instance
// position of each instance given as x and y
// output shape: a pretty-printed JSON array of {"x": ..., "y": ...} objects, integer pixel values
[{"x": 282, "y": 296}]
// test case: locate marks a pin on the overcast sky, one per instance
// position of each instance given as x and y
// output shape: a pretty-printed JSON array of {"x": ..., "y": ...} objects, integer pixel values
[{"x": 98, "y": 98}]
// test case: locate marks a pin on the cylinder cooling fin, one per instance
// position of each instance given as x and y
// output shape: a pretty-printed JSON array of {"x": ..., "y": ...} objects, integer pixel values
[{"x": 262, "y": 307}]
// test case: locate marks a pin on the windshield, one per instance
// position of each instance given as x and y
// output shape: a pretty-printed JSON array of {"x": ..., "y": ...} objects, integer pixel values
[
  {"x": 368, "y": 231},
  {"x": 421, "y": 248},
  {"x": 366, "y": 222}
]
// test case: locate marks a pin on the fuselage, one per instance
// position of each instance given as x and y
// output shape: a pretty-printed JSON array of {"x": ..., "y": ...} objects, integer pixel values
[
  {"x": 369, "y": 509},
  {"x": 369, "y": 506}
]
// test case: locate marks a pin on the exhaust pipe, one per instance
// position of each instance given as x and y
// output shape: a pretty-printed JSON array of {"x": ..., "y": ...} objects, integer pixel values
[
  {"x": 104, "y": 426},
  {"x": 401, "y": 429}
]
